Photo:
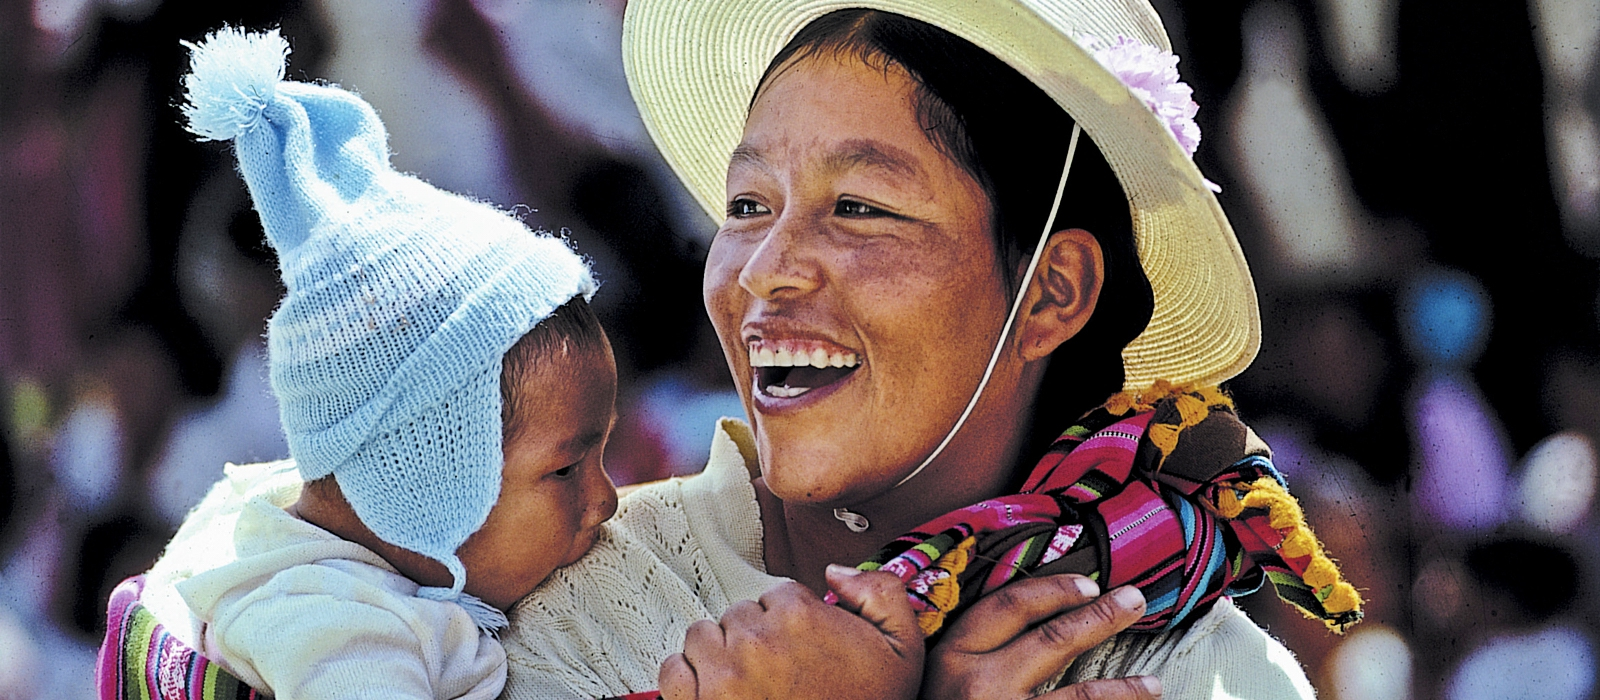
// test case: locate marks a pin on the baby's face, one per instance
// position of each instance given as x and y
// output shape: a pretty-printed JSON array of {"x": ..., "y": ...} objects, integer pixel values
[{"x": 554, "y": 493}]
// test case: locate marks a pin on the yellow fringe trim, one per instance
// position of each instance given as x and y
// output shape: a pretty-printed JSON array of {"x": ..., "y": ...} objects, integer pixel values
[
  {"x": 1193, "y": 404},
  {"x": 946, "y": 592},
  {"x": 1285, "y": 516}
]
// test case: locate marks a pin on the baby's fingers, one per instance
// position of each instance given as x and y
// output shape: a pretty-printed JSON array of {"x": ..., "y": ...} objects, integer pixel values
[
  {"x": 879, "y": 598},
  {"x": 677, "y": 679}
]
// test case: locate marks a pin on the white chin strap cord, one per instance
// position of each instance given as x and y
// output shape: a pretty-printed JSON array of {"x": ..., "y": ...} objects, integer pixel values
[{"x": 857, "y": 522}]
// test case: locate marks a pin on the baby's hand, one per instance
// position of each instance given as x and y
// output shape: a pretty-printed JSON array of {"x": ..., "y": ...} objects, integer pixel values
[{"x": 790, "y": 644}]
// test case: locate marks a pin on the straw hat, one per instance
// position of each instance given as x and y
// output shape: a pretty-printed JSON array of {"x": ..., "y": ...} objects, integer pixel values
[{"x": 692, "y": 67}]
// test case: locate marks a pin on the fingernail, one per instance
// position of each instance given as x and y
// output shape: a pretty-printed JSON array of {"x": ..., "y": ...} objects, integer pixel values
[
  {"x": 1087, "y": 588},
  {"x": 1128, "y": 598},
  {"x": 838, "y": 570},
  {"x": 1152, "y": 685}
]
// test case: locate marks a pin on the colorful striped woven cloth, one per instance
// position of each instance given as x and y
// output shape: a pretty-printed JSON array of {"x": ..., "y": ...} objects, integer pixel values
[
  {"x": 1154, "y": 489},
  {"x": 1120, "y": 498},
  {"x": 141, "y": 660}
]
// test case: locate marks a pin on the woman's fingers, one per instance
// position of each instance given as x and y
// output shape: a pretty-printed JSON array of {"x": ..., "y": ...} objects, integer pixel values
[
  {"x": 996, "y": 619},
  {"x": 1010, "y": 643},
  {"x": 1136, "y": 688},
  {"x": 1049, "y": 647}
]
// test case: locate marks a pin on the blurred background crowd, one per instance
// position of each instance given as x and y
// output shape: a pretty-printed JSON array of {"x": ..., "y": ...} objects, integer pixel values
[{"x": 1415, "y": 182}]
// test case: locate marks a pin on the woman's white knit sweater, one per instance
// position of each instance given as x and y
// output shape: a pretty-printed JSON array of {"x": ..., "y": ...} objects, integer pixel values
[{"x": 685, "y": 549}]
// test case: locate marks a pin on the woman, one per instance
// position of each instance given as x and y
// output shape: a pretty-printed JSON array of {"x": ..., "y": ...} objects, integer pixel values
[{"x": 887, "y": 178}]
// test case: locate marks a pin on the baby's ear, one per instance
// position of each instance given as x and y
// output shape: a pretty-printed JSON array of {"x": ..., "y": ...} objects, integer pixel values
[
  {"x": 322, "y": 503},
  {"x": 1062, "y": 295},
  {"x": 323, "y": 492}
]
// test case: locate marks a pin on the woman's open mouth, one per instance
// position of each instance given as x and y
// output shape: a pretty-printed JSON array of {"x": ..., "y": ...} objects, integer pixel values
[{"x": 790, "y": 369}]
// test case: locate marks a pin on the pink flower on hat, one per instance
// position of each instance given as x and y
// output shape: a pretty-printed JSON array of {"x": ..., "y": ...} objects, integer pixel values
[{"x": 1152, "y": 75}]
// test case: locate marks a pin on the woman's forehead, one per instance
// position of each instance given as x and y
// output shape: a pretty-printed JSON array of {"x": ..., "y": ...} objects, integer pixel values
[
  {"x": 842, "y": 81},
  {"x": 840, "y": 115}
]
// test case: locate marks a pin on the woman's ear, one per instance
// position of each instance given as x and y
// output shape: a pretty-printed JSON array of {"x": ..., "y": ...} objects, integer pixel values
[{"x": 1063, "y": 294}]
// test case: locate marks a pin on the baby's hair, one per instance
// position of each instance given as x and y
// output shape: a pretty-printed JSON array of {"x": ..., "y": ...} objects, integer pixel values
[{"x": 572, "y": 328}]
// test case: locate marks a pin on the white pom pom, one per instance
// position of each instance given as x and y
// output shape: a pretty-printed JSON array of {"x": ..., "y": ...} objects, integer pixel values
[{"x": 233, "y": 75}]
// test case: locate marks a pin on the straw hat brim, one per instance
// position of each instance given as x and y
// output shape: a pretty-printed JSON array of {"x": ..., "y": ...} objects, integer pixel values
[{"x": 693, "y": 66}]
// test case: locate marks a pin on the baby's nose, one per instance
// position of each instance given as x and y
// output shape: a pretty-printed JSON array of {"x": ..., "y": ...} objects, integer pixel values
[{"x": 604, "y": 503}]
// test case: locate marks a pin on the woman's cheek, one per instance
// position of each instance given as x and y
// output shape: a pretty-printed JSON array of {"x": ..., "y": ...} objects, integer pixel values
[
  {"x": 720, "y": 287},
  {"x": 726, "y": 303}
]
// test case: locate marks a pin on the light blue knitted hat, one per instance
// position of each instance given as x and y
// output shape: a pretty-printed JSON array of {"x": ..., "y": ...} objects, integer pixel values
[{"x": 402, "y": 300}]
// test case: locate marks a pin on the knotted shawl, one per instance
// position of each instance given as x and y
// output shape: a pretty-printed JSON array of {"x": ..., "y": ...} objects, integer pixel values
[{"x": 1156, "y": 489}]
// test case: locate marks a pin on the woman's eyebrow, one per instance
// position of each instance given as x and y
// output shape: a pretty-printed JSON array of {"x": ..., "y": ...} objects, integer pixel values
[
  {"x": 855, "y": 153},
  {"x": 848, "y": 155},
  {"x": 745, "y": 154}
]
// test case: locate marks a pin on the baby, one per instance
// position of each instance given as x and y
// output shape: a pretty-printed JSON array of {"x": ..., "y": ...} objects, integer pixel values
[{"x": 446, "y": 392}]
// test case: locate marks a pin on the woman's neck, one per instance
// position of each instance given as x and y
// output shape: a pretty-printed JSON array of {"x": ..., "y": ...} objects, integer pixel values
[{"x": 801, "y": 539}]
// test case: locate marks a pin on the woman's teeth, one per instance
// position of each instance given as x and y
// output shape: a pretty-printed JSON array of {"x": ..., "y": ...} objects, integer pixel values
[
  {"x": 784, "y": 357},
  {"x": 787, "y": 372}
]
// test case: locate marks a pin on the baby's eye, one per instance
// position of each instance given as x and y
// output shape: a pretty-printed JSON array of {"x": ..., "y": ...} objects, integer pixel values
[
  {"x": 742, "y": 208},
  {"x": 564, "y": 472}
]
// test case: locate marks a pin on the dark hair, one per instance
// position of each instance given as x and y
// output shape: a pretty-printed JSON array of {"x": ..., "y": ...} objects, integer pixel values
[
  {"x": 572, "y": 327},
  {"x": 1012, "y": 138}
]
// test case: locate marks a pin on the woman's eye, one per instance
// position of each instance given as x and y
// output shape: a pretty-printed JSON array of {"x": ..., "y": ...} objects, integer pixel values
[
  {"x": 852, "y": 208},
  {"x": 564, "y": 472},
  {"x": 745, "y": 208}
]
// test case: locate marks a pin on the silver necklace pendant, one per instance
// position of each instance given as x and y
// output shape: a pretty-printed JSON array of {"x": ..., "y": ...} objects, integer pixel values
[{"x": 855, "y": 521}]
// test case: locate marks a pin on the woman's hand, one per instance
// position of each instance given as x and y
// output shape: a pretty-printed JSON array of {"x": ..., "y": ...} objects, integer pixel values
[
  {"x": 790, "y": 644},
  {"x": 1019, "y": 637}
]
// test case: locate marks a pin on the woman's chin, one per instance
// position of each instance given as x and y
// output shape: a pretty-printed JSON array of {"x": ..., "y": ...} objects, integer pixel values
[
  {"x": 812, "y": 483},
  {"x": 827, "y": 447},
  {"x": 802, "y": 492}
]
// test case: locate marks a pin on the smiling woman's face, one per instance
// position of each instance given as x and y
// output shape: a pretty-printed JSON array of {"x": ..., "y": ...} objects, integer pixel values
[{"x": 854, "y": 286}]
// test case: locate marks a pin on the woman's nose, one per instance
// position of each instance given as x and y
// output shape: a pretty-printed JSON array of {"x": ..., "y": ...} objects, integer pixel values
[{"x": 780, "y": 265}]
